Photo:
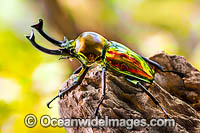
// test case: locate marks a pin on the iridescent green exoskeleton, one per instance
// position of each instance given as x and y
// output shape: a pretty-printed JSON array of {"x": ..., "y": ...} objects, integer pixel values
[{"x": 90, "y": 48}]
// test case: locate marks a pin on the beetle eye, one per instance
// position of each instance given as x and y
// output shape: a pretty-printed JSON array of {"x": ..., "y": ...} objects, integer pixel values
[{"x": 71, "y": 51}]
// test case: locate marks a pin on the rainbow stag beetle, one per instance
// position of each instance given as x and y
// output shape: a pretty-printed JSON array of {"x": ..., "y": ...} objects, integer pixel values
[{"x": 90, "y": 48}]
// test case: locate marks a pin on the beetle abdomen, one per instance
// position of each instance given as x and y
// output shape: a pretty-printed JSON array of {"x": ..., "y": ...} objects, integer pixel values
[{"x": 127, "y": 62}]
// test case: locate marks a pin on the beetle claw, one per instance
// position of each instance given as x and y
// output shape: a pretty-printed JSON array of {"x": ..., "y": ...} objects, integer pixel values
[
  {"x": 38, "y": 26},
  {"x": 31, "y": 37},
  {"x": 61, "y": 95},
  {"x": 48, "y": 104}
]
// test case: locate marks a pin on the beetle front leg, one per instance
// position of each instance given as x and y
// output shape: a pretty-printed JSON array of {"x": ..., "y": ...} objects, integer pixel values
[
  {"x": 77, "y": 81},
  {"x": 77, "y": 70},
  {"x": 161, "y": 67},
  {"x": 135, "y": 82},
  {"x": 103, "y": 81}
]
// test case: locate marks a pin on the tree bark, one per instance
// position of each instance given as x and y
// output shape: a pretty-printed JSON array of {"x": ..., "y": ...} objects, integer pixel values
[{"x": 180, "y": 96}]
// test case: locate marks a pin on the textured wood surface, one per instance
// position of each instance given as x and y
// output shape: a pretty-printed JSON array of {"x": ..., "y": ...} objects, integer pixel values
[{"x": 179, "y": 96}]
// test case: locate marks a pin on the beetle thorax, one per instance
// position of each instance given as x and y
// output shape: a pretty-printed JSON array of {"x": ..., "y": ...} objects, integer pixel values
[{"x": 89, "y": 46}]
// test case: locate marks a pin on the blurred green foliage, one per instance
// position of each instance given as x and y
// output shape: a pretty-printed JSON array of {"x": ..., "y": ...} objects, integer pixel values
[{"x": 29, "y": 78}]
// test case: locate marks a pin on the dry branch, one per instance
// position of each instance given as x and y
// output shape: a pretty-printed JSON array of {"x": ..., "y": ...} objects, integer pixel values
[{"x": 180, "y": 97}]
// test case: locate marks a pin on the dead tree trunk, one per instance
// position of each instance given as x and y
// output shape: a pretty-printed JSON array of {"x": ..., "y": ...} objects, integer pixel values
[{"x": 179, "y": 96}]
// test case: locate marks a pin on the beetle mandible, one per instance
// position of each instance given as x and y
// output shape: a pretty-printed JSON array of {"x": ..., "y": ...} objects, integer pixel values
[{"x": 90, "y": 48}]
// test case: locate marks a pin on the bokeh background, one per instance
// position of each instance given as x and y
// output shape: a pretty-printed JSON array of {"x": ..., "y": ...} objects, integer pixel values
[{"x": 30, "y": 78}]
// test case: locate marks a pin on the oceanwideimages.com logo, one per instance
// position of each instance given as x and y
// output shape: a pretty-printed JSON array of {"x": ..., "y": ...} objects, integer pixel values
[{"x": 46, "y": 121}]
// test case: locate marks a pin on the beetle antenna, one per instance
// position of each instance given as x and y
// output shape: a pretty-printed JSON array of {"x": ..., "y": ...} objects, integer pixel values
[
  {"x": 61, "y": 57},
  {"x": 31, "y": 38},
  {"x": 39, "y": 28}
]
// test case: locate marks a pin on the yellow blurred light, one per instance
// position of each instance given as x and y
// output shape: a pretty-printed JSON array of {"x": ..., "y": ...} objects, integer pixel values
[
  {"x": 195, "y": 57},
  {"x": 6, "y": 127},
  {"x": 155, "y": 42},
  {"x": 48, "y": 77},
  {"x": 10, "y": 89}
]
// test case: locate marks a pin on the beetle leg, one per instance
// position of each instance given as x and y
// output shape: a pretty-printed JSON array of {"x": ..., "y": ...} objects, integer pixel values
[
  {"x": 161, "y": 67},
  {"x": 103, "y": 81},
  {"x": 39, "y": 28},
  {"x": 77, "y": 81},
  {"x": 31, "y": 38},
  {"x": 77, "y": 70},
  {"x": 135, "y": 82}
]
